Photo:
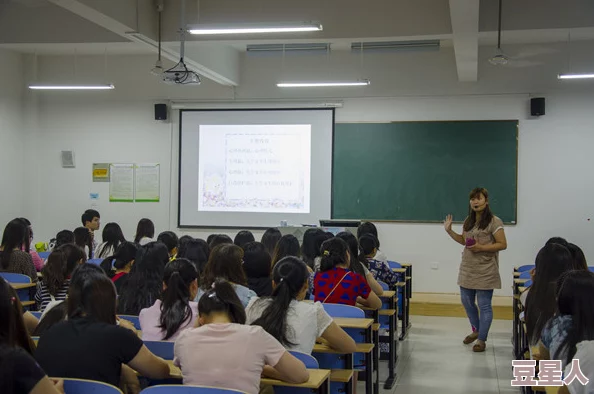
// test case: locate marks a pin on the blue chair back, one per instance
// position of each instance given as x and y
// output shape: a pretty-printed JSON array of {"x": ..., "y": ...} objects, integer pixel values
[
  {"x": 591, "y": 269},
  {"x": 37, "y": 314},
  {"x": 340, "y": 310},
  {"x": 523, "y": 268},
  {"x": 309, "y": 361},
  {"x": 528, "y": 283},
  {"x": 333, "y": 361},
  {"x": 44, "y": 255},
  {"x": 15, "y": 278},
  {"x": 179, "y": 389},
  {"x": 384, "y": 285},
  {"x": 81, "y": 386},
  {"x": 95, "y": 261},
  {"x": 161, "y": 349},
  {"x": 132, "y": 319},
  {"x": 524, "y": 275},
  {"x": 394, "y": 264}
]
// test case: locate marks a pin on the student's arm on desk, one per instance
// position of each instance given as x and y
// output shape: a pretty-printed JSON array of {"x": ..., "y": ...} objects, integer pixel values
[
  {"x": 338, "y": 339},
  {"x": 288, "y": 369},
  {"x": 375, "y": 287},
  {"x": 129, "y": 380},
  {"x": 149, "y": 365},
  {"x": 372, "y": 301}
]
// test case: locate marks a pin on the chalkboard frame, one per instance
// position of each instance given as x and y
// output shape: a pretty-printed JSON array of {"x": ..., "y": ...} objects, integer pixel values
[{"x": 405, "y": 221}]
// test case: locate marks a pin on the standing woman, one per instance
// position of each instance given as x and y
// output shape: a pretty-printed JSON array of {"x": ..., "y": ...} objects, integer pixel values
[{"x": 483, "y": 238}]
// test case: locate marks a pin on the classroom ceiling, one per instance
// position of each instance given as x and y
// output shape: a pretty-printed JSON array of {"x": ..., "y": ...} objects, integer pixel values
[{"x": 62, "y": 27}]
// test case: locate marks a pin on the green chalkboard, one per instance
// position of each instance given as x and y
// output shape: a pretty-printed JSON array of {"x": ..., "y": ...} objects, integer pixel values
[{"x": 421, "y": 171}]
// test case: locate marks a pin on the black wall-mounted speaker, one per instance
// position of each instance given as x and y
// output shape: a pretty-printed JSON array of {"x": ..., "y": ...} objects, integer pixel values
[
  {"x": 537, "y": 106},
  {"x": 160, "y": 111}
]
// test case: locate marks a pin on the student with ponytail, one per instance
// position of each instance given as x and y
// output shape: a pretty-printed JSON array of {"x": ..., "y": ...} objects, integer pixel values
[
  {"x": 295, "y": 324},
  {"x": 223, "y": 352},
  {"x": 336, "y": 284},
  {"x": 118, "y": 266},
  {"x": 175, "y": 311},
  {"x": 357, "y": 266}
]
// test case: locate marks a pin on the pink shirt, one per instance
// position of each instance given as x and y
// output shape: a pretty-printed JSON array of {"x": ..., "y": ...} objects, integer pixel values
[
  {"x": 229, "y": 356},
  {"x": 37, "y": 261},
  {"x": 149, "y": 322}
]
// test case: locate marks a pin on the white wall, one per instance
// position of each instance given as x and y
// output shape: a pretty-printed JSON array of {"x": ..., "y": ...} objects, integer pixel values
[
  {"x": 555, "y": 157},
  {"x": 12, "y": 158}
]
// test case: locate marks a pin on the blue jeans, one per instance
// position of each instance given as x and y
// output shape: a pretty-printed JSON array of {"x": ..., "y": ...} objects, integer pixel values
[{"x": 481, "y": 323}]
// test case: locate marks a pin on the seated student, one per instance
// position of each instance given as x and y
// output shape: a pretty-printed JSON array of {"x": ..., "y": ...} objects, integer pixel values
[
  {"x": 74, "y": 255},
  {"x": 380, "y": 271},
  {"x": 118, "y": 266},
  {"x": 169, "y": 239},
  {"x": 256, "y": 264},
  {"x": 308, "y": 246},
  {"x": 195, "y": 250},
  {"x": 551, "y": 262},
  {"x": 112, "y": 237},
  {"x": 218, "y": 239},
  {"x": 12, "y": 257},
  {"x": 143, "y": 284},
  {"x": 29, "y": 248},
  {"x": 53, "y": 286},
  {"x": 318, "y": 241},
  {"x": 62, "y": 238},
  {"x": 19, "y": 373},
  {"x": 90, "y": 344},
  {"x": 358, "y": 266},
  {"x": 288, "y": 245},
  {"x": 574, "y": 320},
  {"x": 145, "y": 232},
  {"x": 50, "y": 317},
  {"x": 225, "y": 263},
  {"x": 369, "y": 228},
  {"x": 82, "y": 239},
  {"x": 296, "y": 324},
  {"x": 243, "y": 237},
  {"x": 336, "y": 284},
  {"x": 176, "y": 310},
  {"x": 91, "y": 221},
  {"x": 223, "y": 352},
  {"x": 579, "y": 259},
  {"x": 183, "y": 240},
  {"x": 270, "y": 238}
]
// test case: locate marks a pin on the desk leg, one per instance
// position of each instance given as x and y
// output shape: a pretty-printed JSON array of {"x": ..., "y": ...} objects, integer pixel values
[
  {"x": 325, "y": 387},
  {"x": 368, "y": 364},
  {"x": 515, "y": 328},
  {"x": 350, "y": 365},
  {"x": 392, "y": 353},
  {"x": 402, "y": 292}
]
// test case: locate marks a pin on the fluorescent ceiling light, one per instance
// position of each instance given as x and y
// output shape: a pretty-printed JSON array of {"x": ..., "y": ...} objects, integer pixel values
[
  {"x": 364, "y": 82},
  {"x": 575, "y": 76},
  {"x": 255, "y": 28},
  {"x": 72, "y": 87}
]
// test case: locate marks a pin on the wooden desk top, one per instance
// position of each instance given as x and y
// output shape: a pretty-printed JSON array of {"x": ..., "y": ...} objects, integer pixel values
[
  {"x": 399, "y": 270},
  {"x": 401, "y": 284},
  {"x": 521, "y": 289},
  {"x": 360, "y": 348},
  {"x": 520, "y": 281},
  {"x": 347, "y": 322},
  {"x": 388, "y": 294},
  {"x": 406, "y": 264},
  {"x": 387, "y": 312},
  {"x": 516, "y": 274},
  {"x": 19, "y": 286}
]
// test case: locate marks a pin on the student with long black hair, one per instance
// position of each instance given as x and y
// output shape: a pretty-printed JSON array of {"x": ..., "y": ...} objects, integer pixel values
[
  {"x": 195, "y": 250},
  {"x": 54, "y": 283},
  {"x": 369, "y": 228},
  {"x": 29, "y": 246},
  {"x": 318, "y": 241},
  {"x": 574, "y": 318},
  {"x": 144, "y": 282},
  {"x": 243, "y": 237},
  {"x": 308, "y": 246},
  {"x": 223, "y": 339},
  {"x": 579, "y": 259},
  {"x": 12, "y": 257},
  {"x": 19, "y": 373},
  {"x": 62, "y": 238},
  {"x": 336, "y": 283},
  {"x": 176, "y": 310},
  {"x": 270, "y": 238},
  {"x": 257, "y": 267},
  {"x": 118, "y": 266},
  {"x": 215, "y": 240},
  {"x": 145, "y": 232},
  {"x": 296, "y": 324},
  {"x": 358, "y": 266},
  {"x": 83, "y": 239},
  {"x": 380, "y": 271},
  {"x": 288, "y": 245},
  {"x": 112, "y": 237}
]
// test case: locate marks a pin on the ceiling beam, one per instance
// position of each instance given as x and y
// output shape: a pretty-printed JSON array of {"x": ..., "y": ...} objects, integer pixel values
[
  {"x": 124, "y": 19},
  {"x": 465, "y": 33}
]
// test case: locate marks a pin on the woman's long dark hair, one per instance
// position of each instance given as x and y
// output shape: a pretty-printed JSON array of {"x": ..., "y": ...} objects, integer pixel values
[
  {"x": 175, "y": 300},
  {"x": 224, "y": 263},
  {"x": 13, "y": 332},
  {"x": 195, "y": 250},
  {"x": 55, "y": 315},
  {"x": 91, "y": 295},
  {"x": 55, "y": 271},
  {"x": 551, "y": 262},
  {"x": 29, "y": 236},
  {"x": 334, "y": 252},
  {"x": 290, "y": 275},
  {"x": 74, "y": 255},
  {"x": 221, "y": 298},
  {"x": 82, "y": 238},
  {"x": 169, "y": 239},
  {"x": 368, "y": 228},
  {"x": 579, "y": 259},
  {"x": 112, "y": 237},
  {"x": 288, "y": 245},
  {"x": 574, "y": 298},
  {"x": 270, "y": 238},
  {"x": 243, "y": 237},
  {"x": 13, "y": 237},
  {"x": 257, "y": 267},
  {"x": 145, "y": 280},
  {"x": 308, "y": 247},
  {"x": 486, "y": 215},
  {"x": 123, "y": 255},
  {"x": 353, "y": 244},
  {"x": 145, "y": 228}
]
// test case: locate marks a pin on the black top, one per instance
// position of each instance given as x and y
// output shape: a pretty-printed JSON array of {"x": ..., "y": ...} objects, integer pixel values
[
  {"x": 85, "y": 349},
  {"x": 261, "y": 286},
  {"x": 19, "y": 372}
]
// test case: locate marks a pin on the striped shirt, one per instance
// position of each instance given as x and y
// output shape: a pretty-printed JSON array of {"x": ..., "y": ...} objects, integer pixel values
[{"x": 43, "y": 297}]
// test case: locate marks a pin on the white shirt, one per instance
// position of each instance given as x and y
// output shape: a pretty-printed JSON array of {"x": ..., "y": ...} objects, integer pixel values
[
  {"x": 145, "y": 240},
  {"x": 380, "y": 256},
  {"x": 102, "y": 251},
  {"x": 305, "y": 321},
  {"x": 584, "y": 353}
]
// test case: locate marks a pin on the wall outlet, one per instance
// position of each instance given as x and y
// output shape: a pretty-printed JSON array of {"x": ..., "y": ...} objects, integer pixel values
[{"x": 434, "y": 266}]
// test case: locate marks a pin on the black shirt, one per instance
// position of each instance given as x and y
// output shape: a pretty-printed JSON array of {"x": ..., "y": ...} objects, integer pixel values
[
  {"x": 19, "y": 373},
  {"x": 85, "y": 349}
]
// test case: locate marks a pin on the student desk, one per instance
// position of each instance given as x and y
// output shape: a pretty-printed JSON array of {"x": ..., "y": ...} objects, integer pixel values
[
  {"x": 365, "y": 348},
  {"x": 25, "y": 293}
]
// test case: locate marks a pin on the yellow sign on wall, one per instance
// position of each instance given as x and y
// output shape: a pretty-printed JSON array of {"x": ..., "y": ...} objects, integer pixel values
[{"x": 100, "y": 172}]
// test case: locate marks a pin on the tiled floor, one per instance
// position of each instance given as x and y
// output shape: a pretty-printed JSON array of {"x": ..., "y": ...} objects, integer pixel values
[{"x": 433, "y": 359}]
